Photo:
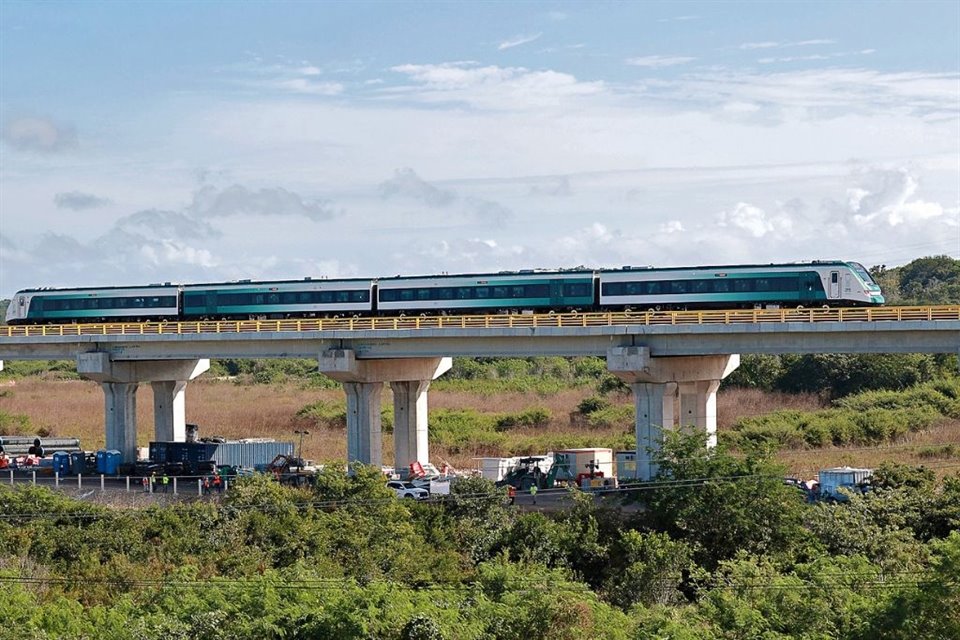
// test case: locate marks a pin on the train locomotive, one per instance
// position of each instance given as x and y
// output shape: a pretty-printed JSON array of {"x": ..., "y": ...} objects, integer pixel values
[{"x": 806, "y": 284}]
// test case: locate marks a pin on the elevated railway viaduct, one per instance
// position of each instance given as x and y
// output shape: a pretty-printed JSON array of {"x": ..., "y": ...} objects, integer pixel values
[{"x": 673, "y": 361}]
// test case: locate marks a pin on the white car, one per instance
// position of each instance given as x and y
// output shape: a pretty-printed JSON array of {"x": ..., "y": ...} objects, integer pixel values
[{"x": 408, "y": 490}]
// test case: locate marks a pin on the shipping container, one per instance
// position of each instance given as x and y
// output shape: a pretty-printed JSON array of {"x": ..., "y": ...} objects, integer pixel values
[
  {"x": 572, "y": 462},
  {"x": 245, "y": 455},
  {"x": 494, "y": 469},
  {"x": 849, "y": 478}
]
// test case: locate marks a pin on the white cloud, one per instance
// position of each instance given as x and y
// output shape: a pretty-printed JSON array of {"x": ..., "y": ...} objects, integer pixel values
[
  {"x": 759, "y": 45},
  {"x": 672, "y": 226},
  {"x": 38, "y": 133},
  {"x": 516, "y": 41},
  {"x": 749, "y": 218},
  {"x": 309, "y": 87},
  {"x": 658, "y": 62},
  {"x": 492, "y": 87}
]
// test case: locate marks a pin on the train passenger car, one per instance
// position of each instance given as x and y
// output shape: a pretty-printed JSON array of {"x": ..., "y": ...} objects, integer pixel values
[
  {"x": 278, "y": 299},
  {"x": 88, "y": 304},
  {"x": 501, "y": 292},
  {"x": 744, "y": 286}
]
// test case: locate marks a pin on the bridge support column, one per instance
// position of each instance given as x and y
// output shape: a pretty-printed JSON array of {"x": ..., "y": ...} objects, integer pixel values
[
  {"x": 364, "y": 428},
  {"x": 660, "y": 385},
  {"x": 410, "y": 423},
  {"x": 362, "y": 381},
  {"x": 170, "y": 410},
  {"x": 698, "y": 407},
  {"x": 120, "y": 417},
  {"x": 120, "y": 379}
]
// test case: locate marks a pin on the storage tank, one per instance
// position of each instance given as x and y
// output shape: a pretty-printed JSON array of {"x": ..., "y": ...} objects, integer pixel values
[{"x": 572, "y": 462}]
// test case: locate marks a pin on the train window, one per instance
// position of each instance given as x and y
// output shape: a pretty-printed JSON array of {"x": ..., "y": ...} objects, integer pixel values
[
  {"x": 654, "y": 288},
  {"x": 406, "y": 295},
  {"x": 633, "y": 288},
  {"x": 388, "y": 295},
  {"x": 326, "y": 297},
  {"x": 576, "y": 289},
  {"x": 424, "y": 294},
  {"x": 678, "y": 286},
  {"x": 742, "y": 284},
  {"x": 700, "y": 286},
  {"x": 288, "y": 298},
  {"x": 446, "y": 293},
  {"x": 258, "y": 298},
  {"x": 789, "y": 284},
  {"x": 464, "y": 293},
  {"x": 516, "y": 292},
  {"x": 138, "y": 302},
  {"x": 538, "y": 291},
  {"x": 482, "y": 292},
  {"x": 343, "y": 296},
  {"x": 834, "y": 277},
  {"x": 761, "y": 284},
  {"x": 721, "y": 286},
  {"x": 273, "y": 298},
  {"x": 304, "y": 297},
  {"x": 500, "y": 292},
  {"x": 360, "y": 296}
]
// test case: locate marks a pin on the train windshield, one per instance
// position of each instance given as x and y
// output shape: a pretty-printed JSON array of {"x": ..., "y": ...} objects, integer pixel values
[{"x": 863, "y": 273}]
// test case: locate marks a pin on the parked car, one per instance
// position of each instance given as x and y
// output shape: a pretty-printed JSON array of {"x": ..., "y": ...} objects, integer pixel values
[{"x": 408, "y": 490}]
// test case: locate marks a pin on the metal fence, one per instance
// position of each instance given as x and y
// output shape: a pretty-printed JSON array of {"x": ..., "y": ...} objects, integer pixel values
[{"x": 572, "y": 320}]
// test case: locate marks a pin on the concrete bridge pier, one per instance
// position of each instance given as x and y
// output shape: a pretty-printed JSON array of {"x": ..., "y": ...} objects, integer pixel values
[
  {"x": 120, "y": 380},
  {"x": 668, "y": 391},
  {"x": 362, "y": 381}
]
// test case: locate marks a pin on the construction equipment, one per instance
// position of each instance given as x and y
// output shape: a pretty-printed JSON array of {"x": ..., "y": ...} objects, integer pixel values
[
  {"x": 528, "y": 473},
  {"x": 292, "y": 471}
]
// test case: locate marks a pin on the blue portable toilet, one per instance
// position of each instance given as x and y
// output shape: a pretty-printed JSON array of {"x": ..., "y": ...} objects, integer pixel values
[
  {"x": 111, "y": 465},
  {"x": 61, "y": 463},
  {"x": 78, "y": 463},
  {"x": 101, "y": 461}
]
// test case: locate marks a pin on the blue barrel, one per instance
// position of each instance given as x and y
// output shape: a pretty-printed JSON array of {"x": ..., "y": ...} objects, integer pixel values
[
  {"x": 61, "y": 463},
  {"x": 78, "y": 463},
  {"x": 102, "y": 461},
  {"x": 112, "y": 464}
]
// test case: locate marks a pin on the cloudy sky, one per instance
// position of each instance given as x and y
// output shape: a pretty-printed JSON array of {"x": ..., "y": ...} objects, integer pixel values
[{"x": 170, "y": 141}]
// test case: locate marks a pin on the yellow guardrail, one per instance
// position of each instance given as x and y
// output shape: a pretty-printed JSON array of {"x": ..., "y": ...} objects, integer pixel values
[{"x": 605, "y": 319}]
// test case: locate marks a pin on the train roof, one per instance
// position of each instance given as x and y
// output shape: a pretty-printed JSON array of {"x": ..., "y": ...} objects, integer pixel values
[
  {"x": 125, "y": 287},
  {"x": 581, "y": 270},
  {"x": 707, "y": 267},
  {"x": 261, "y": 282}
]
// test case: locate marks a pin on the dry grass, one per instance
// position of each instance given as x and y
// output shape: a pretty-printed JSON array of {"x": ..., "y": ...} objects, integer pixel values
[{"x": 75, "y": 408}]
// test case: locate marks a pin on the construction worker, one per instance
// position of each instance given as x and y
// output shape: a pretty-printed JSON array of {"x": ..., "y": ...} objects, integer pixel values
[
  {"x": 146, "y": 484},
  {"x": 512, "y": 493},
  {"x": 206, "y": 485},
  {"x": 165, "y": 480},
  {"x": 217, "y": 483},
  {"x": 153, "y": 481},
  {"x": 533, "y": 493}
]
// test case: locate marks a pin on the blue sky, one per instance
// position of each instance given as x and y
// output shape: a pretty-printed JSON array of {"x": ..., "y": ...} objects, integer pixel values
[{"x": 186, "y": 141}]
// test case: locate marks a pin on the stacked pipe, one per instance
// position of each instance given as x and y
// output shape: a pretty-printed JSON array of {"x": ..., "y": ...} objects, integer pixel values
[{"x": 20, "y": 445}]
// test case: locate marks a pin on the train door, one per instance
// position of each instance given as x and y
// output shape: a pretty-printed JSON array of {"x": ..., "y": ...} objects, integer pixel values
[
  {"x": 834, "y": 290},
  {"x": 210, "y": 301}
]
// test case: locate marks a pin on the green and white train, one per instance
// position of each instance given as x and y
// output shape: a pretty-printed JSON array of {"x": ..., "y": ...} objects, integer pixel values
[{"x": 823, "y": 283}]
